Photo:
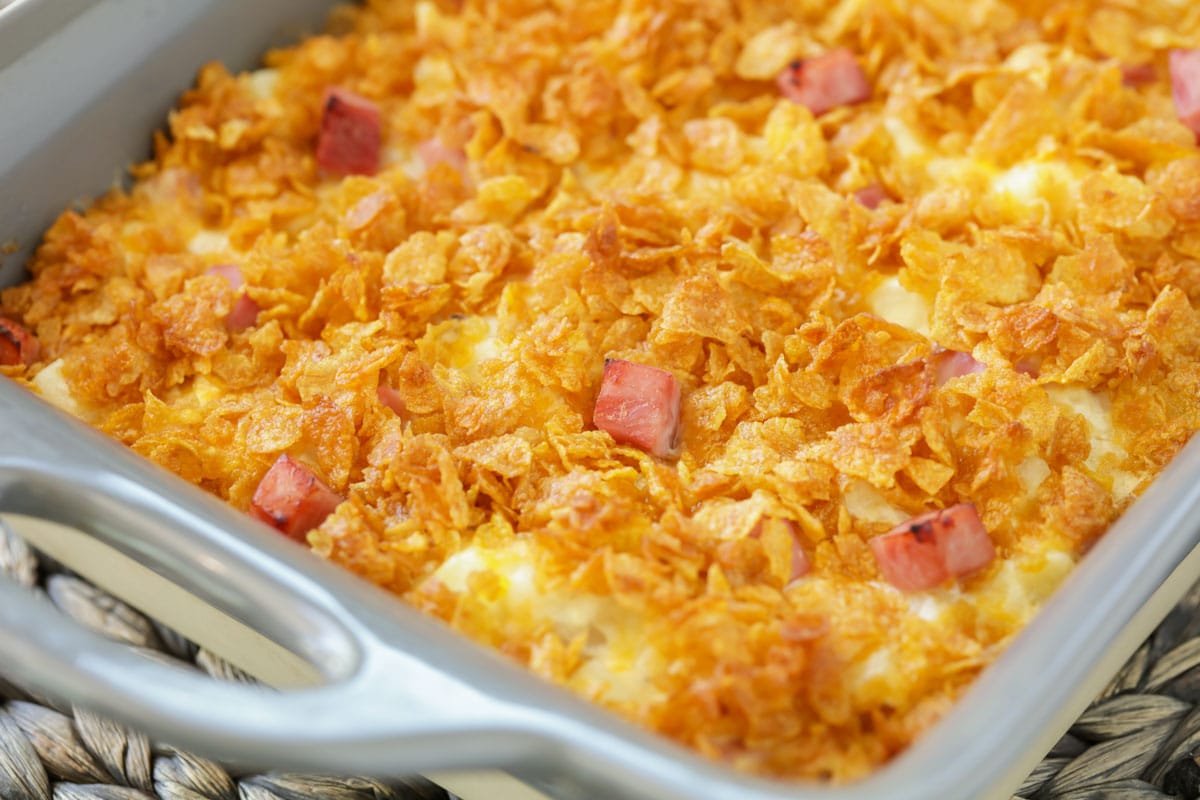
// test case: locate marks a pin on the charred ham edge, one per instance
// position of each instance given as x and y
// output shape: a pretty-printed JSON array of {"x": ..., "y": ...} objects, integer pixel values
[
  {"x": 17, "y": 345},
  {"x": 291, "y": 499},
  {"x": 825, "y": 82},
  {"x": 1185, "y": 87},
  {"x": 351, "y": 134},
  {"x": 930, "y": 549},
  {"x": 639, "y": 405},
  {"x": 245, "y": 311}
]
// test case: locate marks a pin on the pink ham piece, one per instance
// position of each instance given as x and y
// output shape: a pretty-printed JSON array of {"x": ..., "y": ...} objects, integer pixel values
[
  {"x": 928, "y": 550},
  {"x": 433, "y": 152},
  {"x": 243, "y": 315},
  {"x": 391, "y": 398},
  {"x": 351, "y": 134},
  {"x": 909, "y": 560},
  {"x": 1185, "y": 87},
  {"x": 291, "y": 499},
  {"x": 17, "y": 345},
  {"x": 825, "y": 82},
  {"x": 230, "y": 272},
  {"x": 950, "y": 364},
  {"x": 1029, "y": 366},
  {"x": 800, "y": 563},
  {"x": 638, "y": 405},
  {"x": 963, "y": 541},
  {"x": 871, "y": 196},
  {"x": 1134, "y": 75},
  {"x": 245, "y": 311}
]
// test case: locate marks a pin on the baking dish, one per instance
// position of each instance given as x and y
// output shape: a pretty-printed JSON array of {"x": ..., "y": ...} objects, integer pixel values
[{"x": 350, "y": 633}]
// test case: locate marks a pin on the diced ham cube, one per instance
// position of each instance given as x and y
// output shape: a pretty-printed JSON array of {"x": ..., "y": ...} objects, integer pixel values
[
  {"x": 800, "y": 563},
  {"x": 950, "y": 364},
  {"x": 871, "y": 196},
  {"x": 245, "y": 311},
  {"x": 391, "y": 398},
  {"x": 433, "y": 152},
  {"x": 243, "y": 315},
  {"x": 232, "y": 274},
  {"x": 825, "y": 82},
  {"x": 1029, "y": 366},
  {"x": 17, "y": 345},
  {"x": 964, "y": 542},
  {"x": 638, "y": 405},
  {"x": 351, "y": 134},
  {"x": 292, "y": 499},
  {"x": 1134, "y": 75},
  {"x": 928, "y": 550},
  {"x": 1185, "y": 87},
  {"x": 909, "y": 559}
]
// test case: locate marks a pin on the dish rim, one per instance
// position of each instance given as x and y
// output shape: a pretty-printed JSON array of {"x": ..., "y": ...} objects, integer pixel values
[{"x": 995, "y": 733}]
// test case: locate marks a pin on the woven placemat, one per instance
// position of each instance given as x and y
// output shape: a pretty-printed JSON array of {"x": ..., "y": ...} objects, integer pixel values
[{"x": 1140, "y": 739}]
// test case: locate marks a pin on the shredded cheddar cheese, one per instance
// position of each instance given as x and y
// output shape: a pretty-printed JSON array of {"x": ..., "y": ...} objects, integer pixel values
[{"x": 561, "y": 183}]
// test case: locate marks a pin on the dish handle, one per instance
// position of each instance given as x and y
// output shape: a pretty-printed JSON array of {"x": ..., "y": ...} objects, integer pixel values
[
  {"x": 393, "y": 712},
  {"x": 403, "y": 694},
  {"x": 385, "y": 700}
]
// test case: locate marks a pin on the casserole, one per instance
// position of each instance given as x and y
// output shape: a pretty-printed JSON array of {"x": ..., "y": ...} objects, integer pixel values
[{"x": 337, "y": 661}]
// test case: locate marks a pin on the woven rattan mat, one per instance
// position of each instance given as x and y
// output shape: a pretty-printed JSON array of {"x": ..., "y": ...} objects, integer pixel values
[{"x": 1139, "y": 740}]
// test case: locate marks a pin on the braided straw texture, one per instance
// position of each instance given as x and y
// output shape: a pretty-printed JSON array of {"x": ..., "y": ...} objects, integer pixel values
[
  {"x": 52, "y": 753},
  {"x": 1139, "y": 740}
]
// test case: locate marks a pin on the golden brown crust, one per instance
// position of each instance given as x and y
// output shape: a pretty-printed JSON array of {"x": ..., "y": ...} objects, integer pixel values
[{"x": 616, "y": 179}]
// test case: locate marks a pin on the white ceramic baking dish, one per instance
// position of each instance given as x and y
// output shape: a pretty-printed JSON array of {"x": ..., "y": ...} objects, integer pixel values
[{"x": 82, "y": 84}]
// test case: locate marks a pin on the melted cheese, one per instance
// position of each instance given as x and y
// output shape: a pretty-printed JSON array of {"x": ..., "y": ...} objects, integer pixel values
[
  {"x": 866, "y": 503},
  {"x": 1023, "y": 583},
  {"x": 411, "y": 164},
  {"x": 206, "y": 390},
  {"x": 1044, "y": 191},
  {"x": 469, "y": 342},
  {"x": 513, "y": 563},
  {"x": 1106, "y": 453},
  {"x": 263, "y": 81},
  {"x": 1032, "y": 472},
  {"x": 51, "y": 384},
  {"x": 908, "y": 143},
  {"x": 1033, "y": 190},
  {"x": 928, "y": 606},
  {"x": 898, "y": 305},
  {"x": 616, "y": 657},
  {"x": 207, "y": 242}
]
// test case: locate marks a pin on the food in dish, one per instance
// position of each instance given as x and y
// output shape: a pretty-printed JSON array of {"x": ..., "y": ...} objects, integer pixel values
[{"x": 755, "y": 370}]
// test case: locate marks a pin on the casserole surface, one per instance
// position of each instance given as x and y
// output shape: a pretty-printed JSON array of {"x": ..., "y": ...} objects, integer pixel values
[{"x": 716, "y": 236}]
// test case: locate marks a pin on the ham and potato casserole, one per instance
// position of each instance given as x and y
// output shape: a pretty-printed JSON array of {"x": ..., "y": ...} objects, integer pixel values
[{"x": 753, "y": 369}]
